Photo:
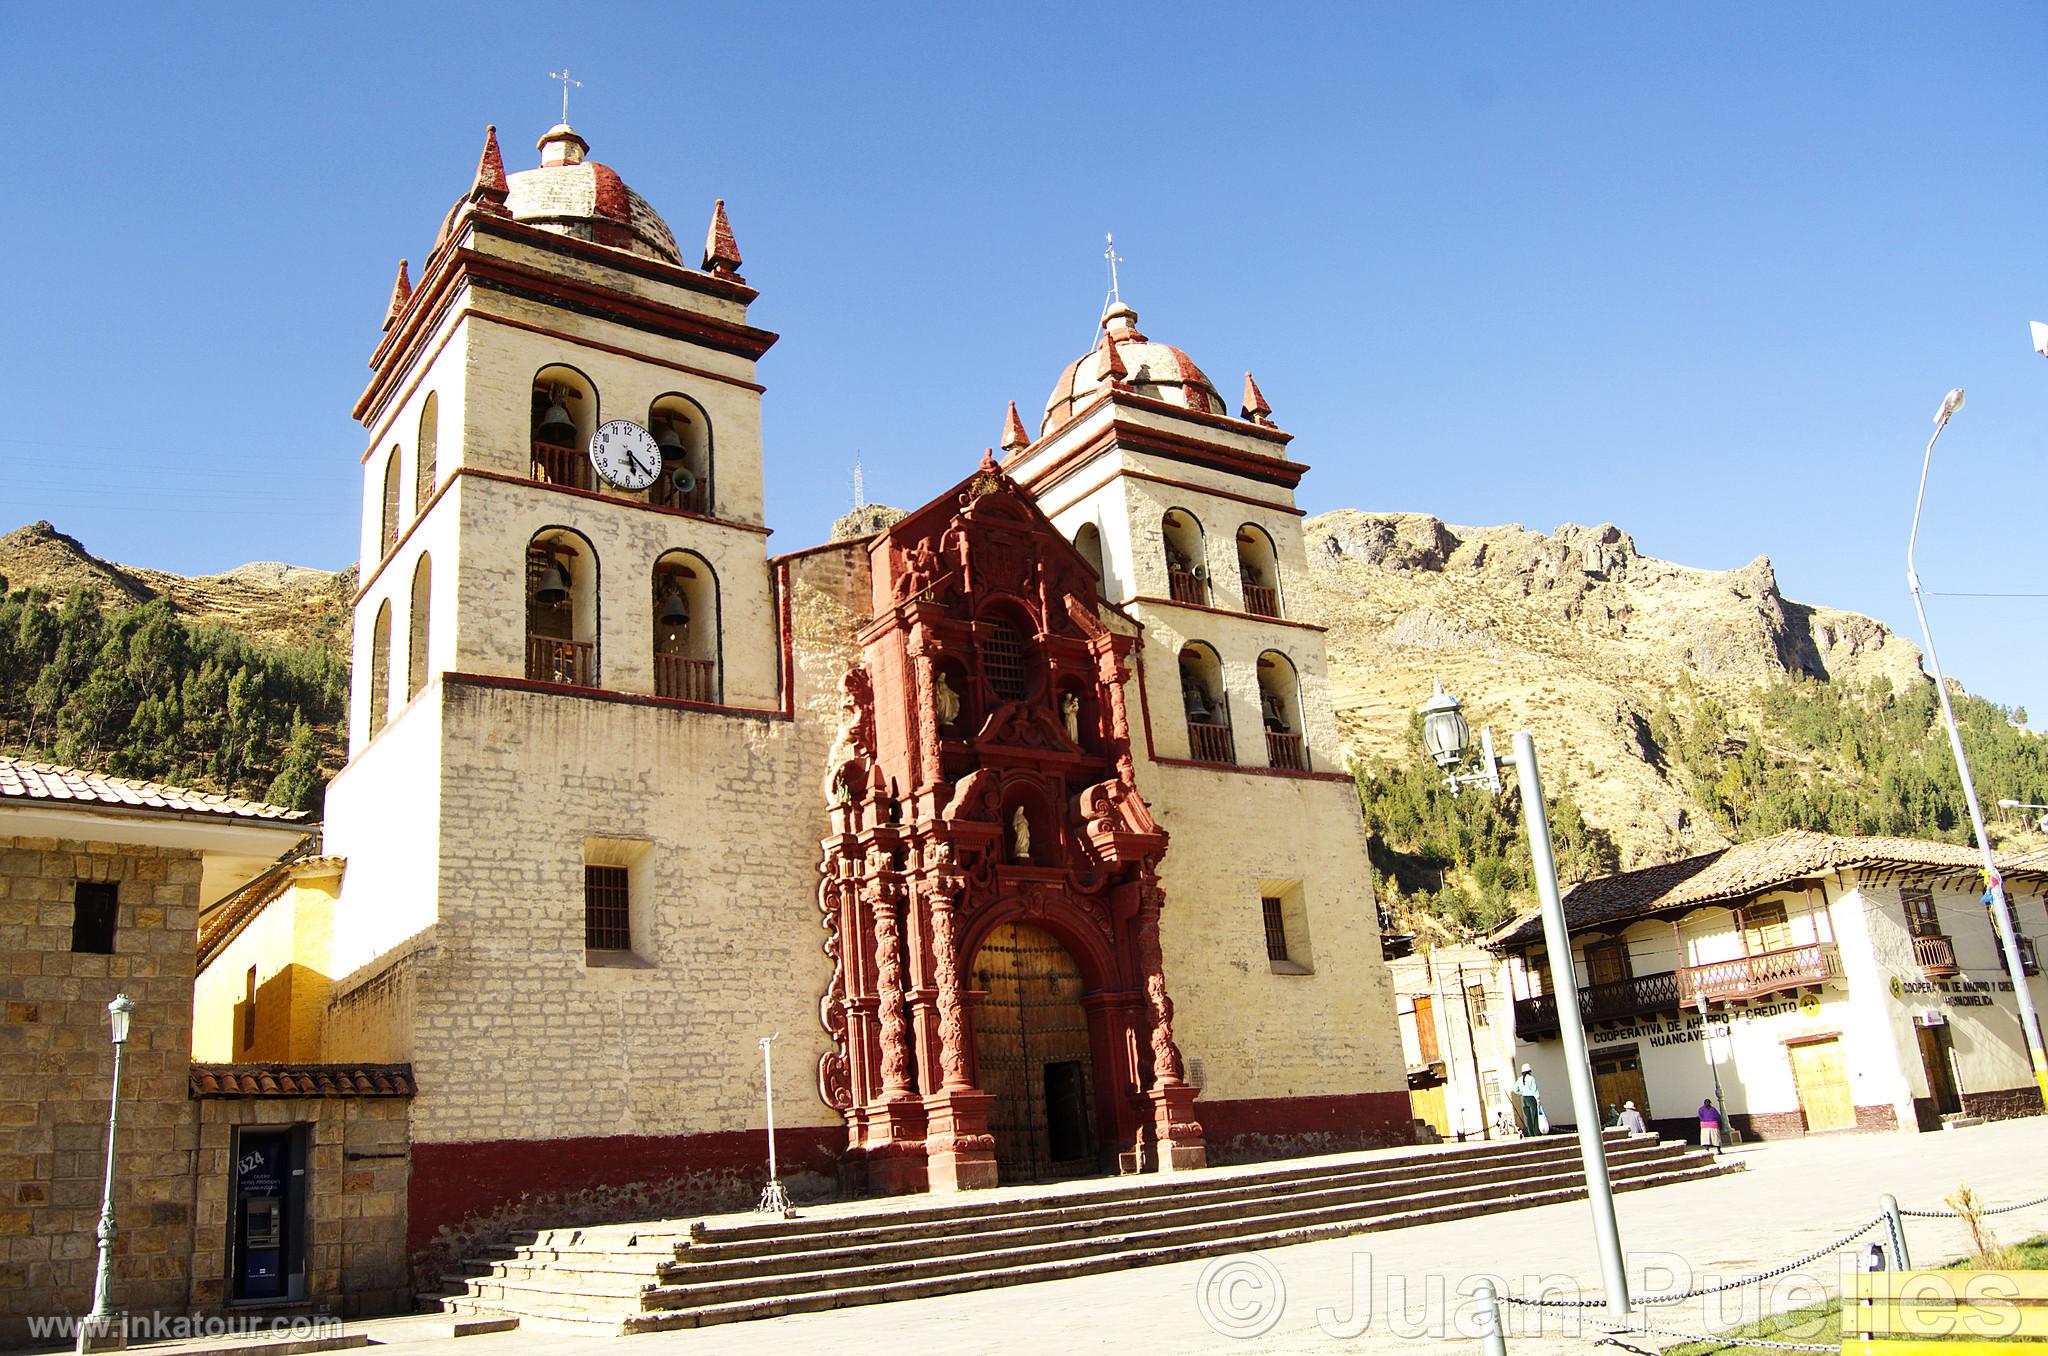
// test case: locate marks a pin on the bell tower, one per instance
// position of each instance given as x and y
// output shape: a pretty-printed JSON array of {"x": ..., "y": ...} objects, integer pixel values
[{"x": 555, "y": 302}]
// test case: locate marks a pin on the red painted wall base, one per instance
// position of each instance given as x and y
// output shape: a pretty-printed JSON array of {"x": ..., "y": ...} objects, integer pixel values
[
  {"x": 1254, "y": 1128},
  {"x": 466, "y": 1195}
]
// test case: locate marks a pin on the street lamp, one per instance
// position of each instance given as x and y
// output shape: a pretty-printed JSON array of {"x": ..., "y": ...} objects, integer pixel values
[
  {"x": 1994, "y": 885},
  {"x": 1442, "y": 718},
  {"x": 100, "y": 1331}
]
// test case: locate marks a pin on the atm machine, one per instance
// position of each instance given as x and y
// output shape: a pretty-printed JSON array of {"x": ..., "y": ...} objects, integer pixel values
[{"x": 268, "y": 1260}]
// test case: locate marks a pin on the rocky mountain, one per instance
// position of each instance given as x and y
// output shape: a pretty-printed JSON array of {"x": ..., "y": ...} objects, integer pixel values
[
  {"x": 266, "y": 601},
  {"x": 1574, "y": 636}
]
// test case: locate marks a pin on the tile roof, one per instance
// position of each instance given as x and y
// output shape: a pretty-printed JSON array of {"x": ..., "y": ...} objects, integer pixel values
[
  {"x": 21, "y": 780},
  {"x": 302, "y": 1080},
  {"x": 1750, "y": 869}
]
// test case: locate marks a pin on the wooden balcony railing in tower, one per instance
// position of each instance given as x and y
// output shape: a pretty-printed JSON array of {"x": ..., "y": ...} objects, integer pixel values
[
  {"x": 1185, "y": 586},
  {"x": 1210, "y": 743},
  {"x": 697, "y": 499},
  {"x": 554, "y": 465},
  {"x": 1260, "y": 600},
  {"x": 1284, "y": 750},
  {"x": 561, "y": 661},
  {"x": 690, "y": 680}
]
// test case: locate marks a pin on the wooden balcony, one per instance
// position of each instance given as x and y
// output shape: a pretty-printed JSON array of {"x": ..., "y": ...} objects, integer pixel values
[
  {"x": 1210, "y": 743},
  {"x": 1185, "y": 586},
  {"x": 698, "y": 500},
  {"x": 561, "y": 661},
  {"x": 1285, "y": 750},
  {"x": 1766, "y": 972},
  {"x": 1638, "y": 996},
  {"x": 689, "y": 680},
  {"x": 1935, "y": 955},
  {"x": 1260, "y": 600},
  {"x": 553, "y": 465}
]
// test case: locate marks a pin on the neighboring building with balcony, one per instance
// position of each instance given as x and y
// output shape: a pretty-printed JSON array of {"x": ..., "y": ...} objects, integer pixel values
[{"x": 1834, "y": 983}]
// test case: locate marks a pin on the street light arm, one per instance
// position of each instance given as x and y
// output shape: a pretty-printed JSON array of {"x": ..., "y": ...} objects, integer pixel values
[{"x": 1913, "y": 539}]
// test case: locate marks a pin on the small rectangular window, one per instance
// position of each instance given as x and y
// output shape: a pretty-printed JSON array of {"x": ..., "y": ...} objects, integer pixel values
[
  {"x": 95, "y": 911},
  {"x": 249, "y": 1009},
  {"x": 1475, "y": 995},
  {"x": 1920, "y": 918},
  {"x": 1276, "y": 929},
  {"x": 607, "y": 909}
]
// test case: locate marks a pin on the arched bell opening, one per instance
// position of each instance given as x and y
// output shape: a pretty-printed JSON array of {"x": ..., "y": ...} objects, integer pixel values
[
  {"x": 416, "y": 631},
  {"x": 953, "y": 709},
  {"x": 1040, "y": 1051},
  {"x": 561, "y": 608},
  {"x": 387, "y": 529},
  {"x": 686, "y": 628},
  {"x": 1088, "y": 541},
  {"x": 1280, "y": 712},
  {"x": 426, "y": 472},
  {"x": 1206, "y": 703},
  {"x": 564, "y": 415},
  {"x": 380, "y": 668},
  {"x": 683, "y": 430},
  {"x": 1187, "y": 566},
  {"x": 1258, "y": 571}
]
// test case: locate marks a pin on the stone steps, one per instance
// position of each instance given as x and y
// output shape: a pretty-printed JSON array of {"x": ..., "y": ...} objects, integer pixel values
[{"x": 627, "y": 1279}]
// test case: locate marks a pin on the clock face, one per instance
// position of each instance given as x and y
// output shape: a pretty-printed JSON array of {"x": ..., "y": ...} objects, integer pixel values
[{"x": 625, "y": 454}]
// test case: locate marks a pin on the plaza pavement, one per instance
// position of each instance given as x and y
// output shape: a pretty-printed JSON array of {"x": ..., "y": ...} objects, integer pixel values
[{"x": 1796, "y": 1196}]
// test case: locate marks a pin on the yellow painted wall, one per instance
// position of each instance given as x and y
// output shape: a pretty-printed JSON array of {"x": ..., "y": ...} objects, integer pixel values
[{"x": 289, "y": 944}]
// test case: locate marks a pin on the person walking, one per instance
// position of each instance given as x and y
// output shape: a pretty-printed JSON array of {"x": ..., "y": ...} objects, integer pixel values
[
  {"x": 1527, "y": 1101},
  {"x": 1631, "y": 1120},
  {"x": 1710, "y": 1125}
]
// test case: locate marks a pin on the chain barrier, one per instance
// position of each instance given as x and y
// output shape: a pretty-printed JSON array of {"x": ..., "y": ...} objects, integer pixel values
[
  {"x": 1950, "y": 1214},
  {"x": 1612, "y": 1340},
  {"x": 1697, "y": 1292}
]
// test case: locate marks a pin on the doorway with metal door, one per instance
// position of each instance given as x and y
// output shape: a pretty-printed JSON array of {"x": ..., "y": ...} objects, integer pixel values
[
  {"x": 1823, "y": 1083},
  {"x": 1032, "y": 1051},
  {"x": 267, "y": 1223}
]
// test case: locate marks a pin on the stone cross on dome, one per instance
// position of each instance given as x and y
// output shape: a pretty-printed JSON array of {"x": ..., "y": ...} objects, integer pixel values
[{"x": 563, "y": 76}]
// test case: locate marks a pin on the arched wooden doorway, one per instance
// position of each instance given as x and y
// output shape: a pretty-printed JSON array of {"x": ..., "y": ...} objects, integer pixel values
[{"x": 1031, "y": 1049}]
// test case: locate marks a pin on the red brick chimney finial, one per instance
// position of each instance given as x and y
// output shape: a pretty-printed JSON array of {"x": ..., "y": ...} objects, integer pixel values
[
  {"x": 401, "y": 292},
  {"x": 721, "y": 251},
  {"x": 1014, "y": 436}
]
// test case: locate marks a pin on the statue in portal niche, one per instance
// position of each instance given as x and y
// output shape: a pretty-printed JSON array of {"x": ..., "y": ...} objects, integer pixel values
[
  {"x": 945, "y": 701},
  {"x": 1020, "y": 836},
  {"x": 1070, "y": 716}
]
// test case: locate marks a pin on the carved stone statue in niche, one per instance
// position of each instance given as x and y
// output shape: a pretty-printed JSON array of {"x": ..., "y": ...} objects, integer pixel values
[
  {"x": 1070, "y": 716},
  {"x": 1020, "y": 836},
  {"x": 945, "y": 700}
]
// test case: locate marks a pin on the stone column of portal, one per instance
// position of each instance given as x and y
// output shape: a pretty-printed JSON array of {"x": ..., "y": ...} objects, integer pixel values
[
  {"x": 896, "y": 1121},
  {"x": 960, "y": 1151},
  {"x": 1177, "y": 1134}
]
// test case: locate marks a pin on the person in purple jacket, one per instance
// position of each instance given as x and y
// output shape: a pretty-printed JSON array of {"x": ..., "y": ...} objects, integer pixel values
[{"x": 1710, "y": 1125}]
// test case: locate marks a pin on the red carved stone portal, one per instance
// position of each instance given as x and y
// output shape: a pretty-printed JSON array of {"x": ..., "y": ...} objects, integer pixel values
[{"x": 983, "y": 777}]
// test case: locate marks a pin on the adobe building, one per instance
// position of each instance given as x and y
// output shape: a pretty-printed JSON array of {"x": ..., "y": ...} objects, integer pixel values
[
  {"x": 1457, "y": 1040},
  {"x": 1814, "y": 982},
  {"x": 1022, "y": 823}
]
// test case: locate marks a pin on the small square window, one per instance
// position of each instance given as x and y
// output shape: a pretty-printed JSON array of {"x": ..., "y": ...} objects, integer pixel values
[
  {"x": 1284, "y": 919},
  {"x": 607, "y": 909},
  {"x": 95, "y": 910},
  {"x": 1276, "y": 929}
]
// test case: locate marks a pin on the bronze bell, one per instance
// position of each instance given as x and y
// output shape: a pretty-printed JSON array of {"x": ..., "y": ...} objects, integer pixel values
[
  {"x": 556, "y": 426},
  {"x": 553, "y": 586},
  {"x": 668, "y": 441},
  {"x": 675, "y": 609}
]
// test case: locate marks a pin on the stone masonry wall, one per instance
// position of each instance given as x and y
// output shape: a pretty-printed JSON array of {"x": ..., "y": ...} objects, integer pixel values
[{"x": 56, "y": 1069}]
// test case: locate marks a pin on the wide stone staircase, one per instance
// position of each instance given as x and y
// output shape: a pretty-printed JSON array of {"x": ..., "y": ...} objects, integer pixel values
[{"x": 678, "y": 1274}]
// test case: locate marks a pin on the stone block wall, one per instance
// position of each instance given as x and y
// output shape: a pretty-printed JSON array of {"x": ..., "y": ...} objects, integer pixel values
[{"x": 56, "y": 1069}]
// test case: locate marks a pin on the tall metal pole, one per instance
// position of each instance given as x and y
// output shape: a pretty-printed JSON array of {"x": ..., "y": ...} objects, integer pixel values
[
  {"x": 94, "y": 1334},
  {"x": 774, "y": 1200},
  {"x": 1557, "y": 938},
  {"x": 2001, "y": 911}
]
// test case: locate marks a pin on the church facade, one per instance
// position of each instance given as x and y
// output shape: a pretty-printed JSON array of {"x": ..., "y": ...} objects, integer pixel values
[{"x": 1022, "y": 823}]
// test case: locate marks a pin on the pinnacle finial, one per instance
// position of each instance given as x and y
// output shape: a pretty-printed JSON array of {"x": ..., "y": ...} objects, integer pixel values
[
  {"x": 1255, "y": 407},
  {"x": 1014, "y": 437},
  {"x": 721, "y": 251},
  {"x": 489, "y": 190},
  {"x": 401, "y": 292},
  {"x": 988, "y": 459},
  {"x": 1113, "y": 370}
]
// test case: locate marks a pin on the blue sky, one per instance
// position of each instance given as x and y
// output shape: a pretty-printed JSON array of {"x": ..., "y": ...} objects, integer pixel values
[{"x": 1701, "y": 271}]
